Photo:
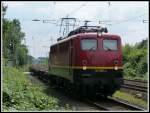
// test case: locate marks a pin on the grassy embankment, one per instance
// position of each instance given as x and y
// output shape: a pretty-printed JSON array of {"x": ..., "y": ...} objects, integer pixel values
[
  {"x": 130, "y": 98},
  {"x": 19, "y": 94}
]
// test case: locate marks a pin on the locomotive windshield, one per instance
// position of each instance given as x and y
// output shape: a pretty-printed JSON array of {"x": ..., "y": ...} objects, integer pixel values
[
  {"x": 88, "y": 44},
  {"x": 110, "y": 45}
]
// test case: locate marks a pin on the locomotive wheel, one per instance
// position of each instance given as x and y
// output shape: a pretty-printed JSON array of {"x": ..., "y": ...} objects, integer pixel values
[
  {"x": 67, "y": 87},
  {"x": 91, "y": 92},
  {"x": 108, "y": 91},
  {"x": 76, "y": 89},
  {"x": 105, "y": 95}
]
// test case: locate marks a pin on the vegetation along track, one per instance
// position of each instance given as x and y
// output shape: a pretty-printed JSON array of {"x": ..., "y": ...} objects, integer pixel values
[{"x": 135, "y": 85}]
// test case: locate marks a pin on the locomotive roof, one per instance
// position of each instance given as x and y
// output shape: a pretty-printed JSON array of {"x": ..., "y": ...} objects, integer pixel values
[{"x": 90, "y": 34}]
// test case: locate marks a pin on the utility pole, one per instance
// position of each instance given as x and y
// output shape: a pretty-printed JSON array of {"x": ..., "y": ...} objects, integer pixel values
[
  {"x": 67, "y": 25},
  {"x": 45, "y": 47},
  {"x": 109, "y": 3},
  {"x": 86, "y": 21},
  {"x": 104, "y": 22},
  {"x": 33, "y": 45},
  {"x": 109, "y": 10},
  {"x": 51, "y": 40},
  {"x": 27, "y": 53}
]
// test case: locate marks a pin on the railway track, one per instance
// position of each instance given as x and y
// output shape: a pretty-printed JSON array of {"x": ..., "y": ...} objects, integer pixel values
[
  {"x": 140, "y": 86},
  {"x": 111, "y": 104},
  {"x": 136, "y": 82}
]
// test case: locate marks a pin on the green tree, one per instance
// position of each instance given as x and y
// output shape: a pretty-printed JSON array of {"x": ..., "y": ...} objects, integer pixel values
[
  {"x": 126, "y": 50},
  {"x": 142, "y": 44},
  {"x": 12, "y": 38},
  {"x": 135, "y": 60},
  {"x": 22, "y": 55}
]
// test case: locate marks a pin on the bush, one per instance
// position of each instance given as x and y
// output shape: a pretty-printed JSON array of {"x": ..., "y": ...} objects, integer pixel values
[{"x": 128, "y": 71}]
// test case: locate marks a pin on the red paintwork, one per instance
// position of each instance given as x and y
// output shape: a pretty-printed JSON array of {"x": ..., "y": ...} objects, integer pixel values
[{"x": 98, "y": 58}]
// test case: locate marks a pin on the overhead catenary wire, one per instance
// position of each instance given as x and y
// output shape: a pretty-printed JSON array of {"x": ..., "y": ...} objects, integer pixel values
[
  {"x": 116, "y": 22},
  {"x": 130, "y": 19}
]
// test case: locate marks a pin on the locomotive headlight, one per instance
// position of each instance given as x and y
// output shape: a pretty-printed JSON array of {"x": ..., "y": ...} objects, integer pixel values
[
  {"x": 84, "y": 67},
  {"x": 116, "y": 68}
]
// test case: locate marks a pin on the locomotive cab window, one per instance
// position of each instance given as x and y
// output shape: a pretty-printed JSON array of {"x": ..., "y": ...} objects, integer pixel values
[
  {"x": 110, "y": 45},
  {"x": 88, "y": 44}
]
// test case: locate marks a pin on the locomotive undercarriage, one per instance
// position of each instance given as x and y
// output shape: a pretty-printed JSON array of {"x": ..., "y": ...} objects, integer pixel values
[
  {"x": 104, "y": 83},
  {"x": 94, "y": 83}
]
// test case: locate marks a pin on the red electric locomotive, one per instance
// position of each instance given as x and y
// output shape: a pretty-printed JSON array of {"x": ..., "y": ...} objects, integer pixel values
[{"x": 89, "y": 60}]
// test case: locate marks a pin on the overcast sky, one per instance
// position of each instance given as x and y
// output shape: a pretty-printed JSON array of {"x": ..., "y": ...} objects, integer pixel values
[{"x": 125, "y": 19}]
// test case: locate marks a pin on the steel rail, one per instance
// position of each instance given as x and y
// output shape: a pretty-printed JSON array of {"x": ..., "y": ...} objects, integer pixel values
[
  {"x": 137, "y": 85},
  {"x": 111, "y": 104},
  {"x": 135, "y": 80}
]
